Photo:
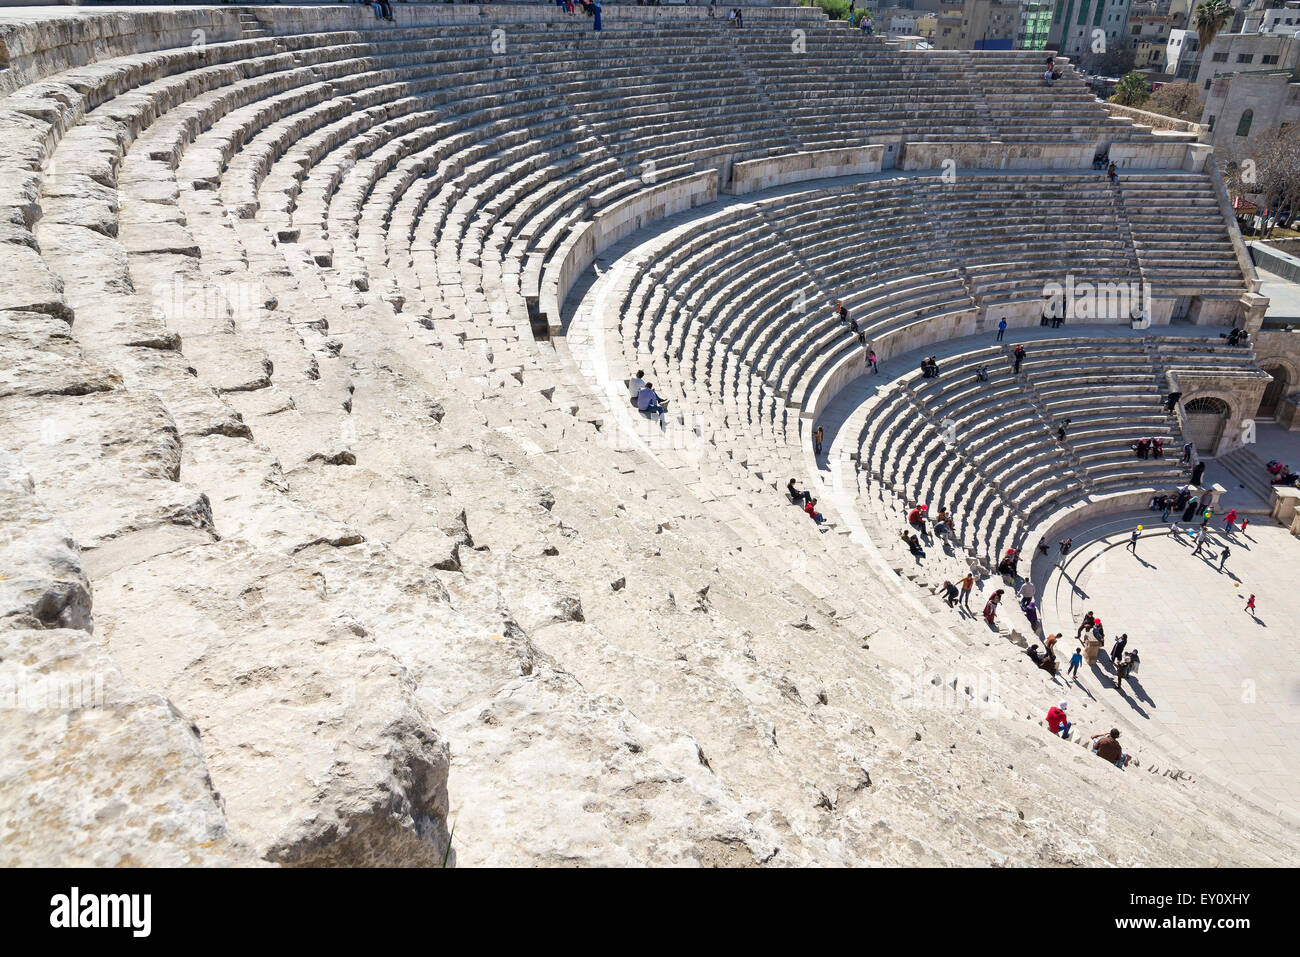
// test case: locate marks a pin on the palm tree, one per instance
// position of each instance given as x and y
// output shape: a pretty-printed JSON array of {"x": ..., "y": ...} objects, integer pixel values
[
  {"x": 1131, "y": 90},
  {"x": 1208, "y": 19}
]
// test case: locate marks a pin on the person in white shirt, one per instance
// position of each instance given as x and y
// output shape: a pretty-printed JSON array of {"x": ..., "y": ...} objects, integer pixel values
[{"x": 636, "y": 384}]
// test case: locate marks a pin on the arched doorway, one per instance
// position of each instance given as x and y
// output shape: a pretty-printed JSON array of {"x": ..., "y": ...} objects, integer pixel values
[
  {"x": 1205, "y": 418},
  {"x": 1275, "y": 391}
]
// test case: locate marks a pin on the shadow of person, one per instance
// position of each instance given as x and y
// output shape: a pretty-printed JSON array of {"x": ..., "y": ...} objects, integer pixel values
[
  {"x": 1140, "y": 692},
  {"x": 1080, "y": 685},
  {"x": 1145, "y": 563},
  {"x": 1132, "y": 703}
]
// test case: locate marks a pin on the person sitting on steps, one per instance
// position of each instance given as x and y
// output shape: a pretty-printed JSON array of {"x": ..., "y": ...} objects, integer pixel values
[
  {"x": 797, "y": 495},
  {"x": 1107, "y": 746},
  {"x": 648, "y": 401}
]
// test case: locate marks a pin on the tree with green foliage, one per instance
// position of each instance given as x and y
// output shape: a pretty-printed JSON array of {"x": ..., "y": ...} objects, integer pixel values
[
  {"x": 835, "y": 9},
  {"x": 1131, "y": 90}
]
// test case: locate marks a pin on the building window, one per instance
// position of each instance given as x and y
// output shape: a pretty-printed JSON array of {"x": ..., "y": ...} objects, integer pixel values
[
  {"x": 1207, "y": 83},
  {"x": 1211, "y": 124},
  {"x": 1245, "y": 57},
  {"x": 1243, "y": 125},
  {"x": 1221, "y": 57},
  {"x": 1269, "y": 60}
]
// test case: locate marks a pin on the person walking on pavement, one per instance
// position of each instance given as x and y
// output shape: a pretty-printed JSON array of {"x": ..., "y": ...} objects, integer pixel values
[
  {"x": 1230, "y": 522},
  {"x": 1002, "y": 328}
]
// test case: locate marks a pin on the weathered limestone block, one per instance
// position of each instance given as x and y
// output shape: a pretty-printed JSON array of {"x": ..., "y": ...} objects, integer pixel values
[
  {"x": 546, "y": 774},
  {"x": 42, "y": 584},
  {"x": 310, "y": 726},
  {"x": 38, "y": 356},
  {"x": 97, "y": 772},
  {"x": 109, "y": 463},
  {"x": 27, "y": 284}
]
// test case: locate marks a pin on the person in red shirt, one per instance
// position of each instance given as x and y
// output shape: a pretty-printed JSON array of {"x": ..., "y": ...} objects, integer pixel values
[
  {"x": 811, "y": 508},
  {"x": 1058, "y": 722},
  {"x": 1229, "y": 520},
  {"x": 917, "y": 515}
]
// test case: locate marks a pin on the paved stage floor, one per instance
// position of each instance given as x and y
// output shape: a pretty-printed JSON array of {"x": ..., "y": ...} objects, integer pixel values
[{"x": 1215, "y": 683}]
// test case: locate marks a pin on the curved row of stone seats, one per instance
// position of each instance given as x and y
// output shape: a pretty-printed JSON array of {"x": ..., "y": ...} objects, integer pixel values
[
  {"x": 993, "y": 269},
  {"x": 854, "y": 90},
  {"x": 686, "y": 100},
  {"x": 988, "y": 451},
  {"x": 845, "y": 243},
  {"x": 850, "y": 240},
  {"x": 1111, "y": 391},
  {"x": 1205, "y": 354},
  {"x": 105, "y": 448},
  {"x": 753, "y": 340},
  {"x": 612, "y": 189},
  {"x": 727, "y": 270},
  {"x": 1022, "y": 107},
  {"x": 1180, "y": 234},
  {"x": 1016, "y": 234},
  {"x": 996, "y": 426},
  {"x": 332, "y": 111},
  {"x": 203, "y": 166},
  {"x": 956, "y": 444}
]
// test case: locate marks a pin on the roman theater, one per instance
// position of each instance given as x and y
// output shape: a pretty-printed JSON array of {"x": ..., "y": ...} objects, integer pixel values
[{"x": 333, "y": 534}]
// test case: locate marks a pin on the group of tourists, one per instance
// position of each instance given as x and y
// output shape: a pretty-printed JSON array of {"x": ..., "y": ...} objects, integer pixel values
[
  {"x": 591, "y": 8},
  {"x": 1093, "y": 637},
  {"x": 941, "y": 525},
  {"x": 1148, "y": 448},
  {"x": 798, "y": 495},
  {"x": 930, "y": 367},
  {"x": 842, "y": 315},
  {"x": 1281, "y": 474}
]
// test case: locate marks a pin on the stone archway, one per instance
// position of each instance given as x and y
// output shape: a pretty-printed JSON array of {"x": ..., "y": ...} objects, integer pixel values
[
  {"x": 1206, "y": 417},
  {"x": 1281, "y": 384}
]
